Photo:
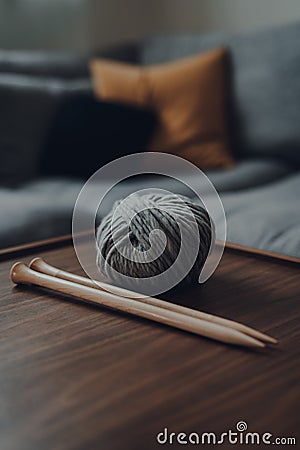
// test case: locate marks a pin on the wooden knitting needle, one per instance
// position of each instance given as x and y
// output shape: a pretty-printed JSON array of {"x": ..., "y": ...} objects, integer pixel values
[
  {"x": 40, "y": 265},
  {"x": 21, "y": 274}
]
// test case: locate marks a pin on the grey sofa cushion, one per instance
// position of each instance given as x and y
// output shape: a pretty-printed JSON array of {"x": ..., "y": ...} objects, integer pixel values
[
  {"x": 265, "y": 84},
  {"x": 266, "y": 217},
  {"x": 249, "y": 173},
  {"x": 36, "y": 211},
  {"x": 27, "y": 107}
]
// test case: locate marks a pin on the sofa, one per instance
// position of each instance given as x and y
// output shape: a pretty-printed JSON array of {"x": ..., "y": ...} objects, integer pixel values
[{"x": 260, "y": 193}]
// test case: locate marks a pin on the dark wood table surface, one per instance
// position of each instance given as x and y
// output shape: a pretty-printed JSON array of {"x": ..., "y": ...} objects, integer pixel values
[{"x": 77, "y": 377}]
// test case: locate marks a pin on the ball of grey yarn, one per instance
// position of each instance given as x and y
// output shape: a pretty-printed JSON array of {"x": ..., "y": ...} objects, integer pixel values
[{"x": 150, "y": 212}]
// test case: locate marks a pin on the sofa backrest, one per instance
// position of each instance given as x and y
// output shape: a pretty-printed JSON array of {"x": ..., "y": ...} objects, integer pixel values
[
  {"x": 66, "y": 65},
  {"x": 265, "y": 84}
]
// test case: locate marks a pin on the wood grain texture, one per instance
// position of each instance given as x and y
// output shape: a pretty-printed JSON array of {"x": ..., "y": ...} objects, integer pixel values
[{"x": 77, "y": 377}]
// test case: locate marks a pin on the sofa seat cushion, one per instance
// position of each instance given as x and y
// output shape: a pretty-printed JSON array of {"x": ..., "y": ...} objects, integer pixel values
[
  {"x": 43, "y": 208},
  {"x": 267, "y": 218},
  {"x": 38, "y": 210},
  {"x": 249, "y": 173}
]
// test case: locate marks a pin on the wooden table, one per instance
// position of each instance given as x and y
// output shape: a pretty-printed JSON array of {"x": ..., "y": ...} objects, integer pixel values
[{"x": 77, "y": 377}]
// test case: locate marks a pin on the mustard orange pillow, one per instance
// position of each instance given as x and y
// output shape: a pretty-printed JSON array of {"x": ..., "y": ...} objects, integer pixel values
[{"x": 188, "y": 97}]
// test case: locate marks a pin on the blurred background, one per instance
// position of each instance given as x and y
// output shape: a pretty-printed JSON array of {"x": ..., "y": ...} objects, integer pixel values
[
  {"x": 88, "y": 24},
  {"x": 56, "y": 129}
]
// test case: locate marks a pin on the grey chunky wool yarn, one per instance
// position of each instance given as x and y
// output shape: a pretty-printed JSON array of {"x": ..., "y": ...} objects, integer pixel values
[{"x": 144, "y": 235}]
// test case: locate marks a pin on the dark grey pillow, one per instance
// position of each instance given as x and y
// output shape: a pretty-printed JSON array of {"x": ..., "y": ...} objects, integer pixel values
[
  {"x": 27, "y": 107},
  {"x": 265, "y": 84},
  {"x": 86, "y": 133},
  {"x": 56, "y": 127}
]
